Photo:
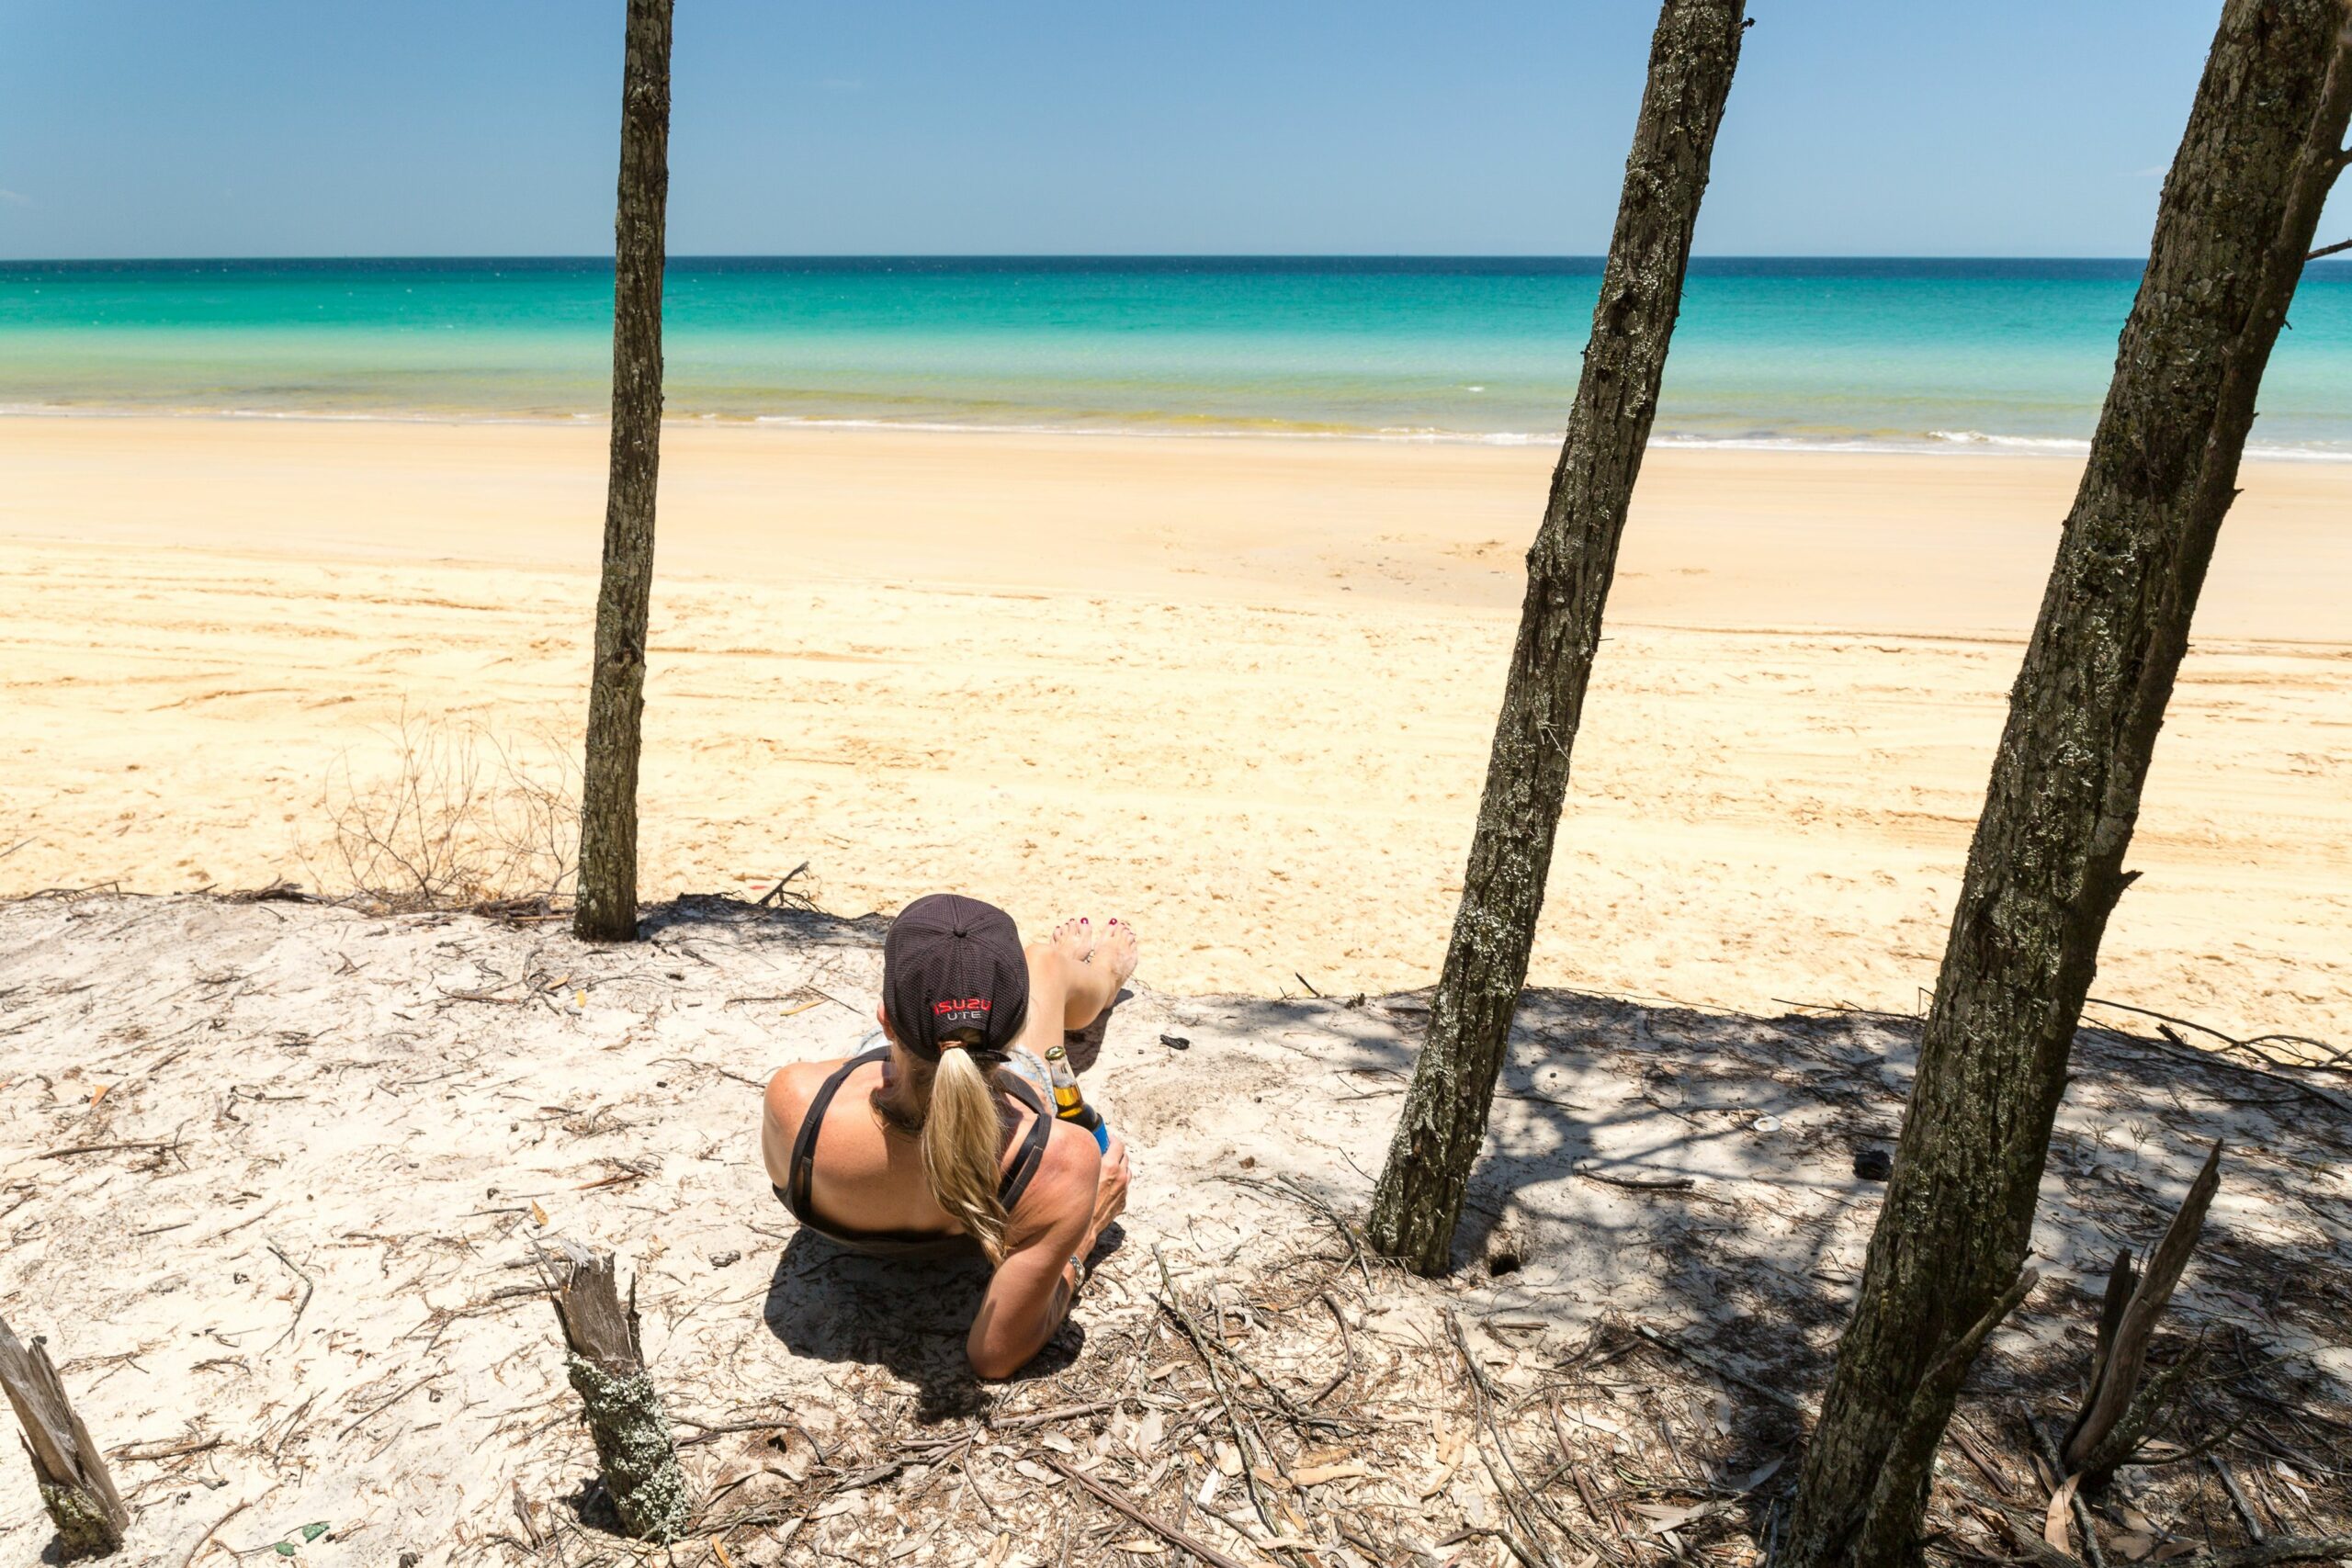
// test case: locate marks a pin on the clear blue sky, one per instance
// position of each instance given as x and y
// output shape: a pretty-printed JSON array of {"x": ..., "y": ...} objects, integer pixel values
[{"x": 146, "y": 128}]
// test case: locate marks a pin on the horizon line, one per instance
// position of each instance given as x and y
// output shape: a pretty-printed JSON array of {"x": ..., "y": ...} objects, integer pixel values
[{"x": 596, "y": 257}]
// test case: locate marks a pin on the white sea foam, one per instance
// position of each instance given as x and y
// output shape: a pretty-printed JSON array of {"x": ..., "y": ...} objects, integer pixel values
[
  {"x": 2012, "y": 443},
  {"x": 1933, "y": 442},
  {"x": 2073, "y": 446}
]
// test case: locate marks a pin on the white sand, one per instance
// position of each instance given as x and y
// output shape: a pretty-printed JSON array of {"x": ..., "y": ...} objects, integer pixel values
[
  {"x": 1237, "y": 691},
  {"x": 293, "y": 1270}
]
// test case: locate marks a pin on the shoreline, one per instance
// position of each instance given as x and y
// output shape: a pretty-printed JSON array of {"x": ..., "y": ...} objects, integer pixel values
[
  {"x": 1240, "y": 694},
  {"x": 1933, "y": 444}
]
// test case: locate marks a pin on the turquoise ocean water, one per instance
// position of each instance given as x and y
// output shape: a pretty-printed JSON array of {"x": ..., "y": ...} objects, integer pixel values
[{"x": 1989, "y": 355}]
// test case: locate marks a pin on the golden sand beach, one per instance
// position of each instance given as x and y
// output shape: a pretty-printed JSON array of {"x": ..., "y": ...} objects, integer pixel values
[{"x": 1236, "y": 690}]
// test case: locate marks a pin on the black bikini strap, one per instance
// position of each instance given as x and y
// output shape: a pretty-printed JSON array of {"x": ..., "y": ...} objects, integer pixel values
[
  {"x": 804, "y": 1143},
  {"x": 1032, "y": 1147},
  {"x": 1009, "y": 1191}
]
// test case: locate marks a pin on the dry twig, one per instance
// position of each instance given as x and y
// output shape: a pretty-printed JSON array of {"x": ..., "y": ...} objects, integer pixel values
[
  {"x": 309, "y": 1289},
  {"x": 1166, "y": 1532}
]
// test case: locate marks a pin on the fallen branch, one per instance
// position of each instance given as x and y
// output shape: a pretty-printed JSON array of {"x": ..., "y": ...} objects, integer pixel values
[
  {"x": 2173, "y": 1043},
  {"x": 150, "y": 1452},
  {"x": 2244, "y": 1510},
  {"x": 1166, "y": 1532},
  {"x": 2285, "y": 1548},
  {"x": 1060, "y": 1412},
  {"x": 382, "y": 1405},
  {"x": 1290, "y": 1187},
  {"x": 1635, "y": 1183},
  {"x": 872, "y": 1473},
  {"x": 711, "y": 1431},
  {"x": 2252, "y": 1042},
  {"x": 1489, "y": 1532},
  {"x": 73, "y": 1149},
  {"x": 777, "y": 892},
  {"x": 1973, "y": 1452}
]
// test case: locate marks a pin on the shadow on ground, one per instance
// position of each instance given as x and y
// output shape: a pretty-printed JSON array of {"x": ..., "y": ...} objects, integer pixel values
[{"x": 827, "y": 1303}]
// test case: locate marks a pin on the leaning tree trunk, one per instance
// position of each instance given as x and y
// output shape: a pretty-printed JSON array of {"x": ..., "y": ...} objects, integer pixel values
[
  {"x": 2046, "y": 866},
  {"x": 607, "y": 911},
  {"x": 1418, "y": 1199}
]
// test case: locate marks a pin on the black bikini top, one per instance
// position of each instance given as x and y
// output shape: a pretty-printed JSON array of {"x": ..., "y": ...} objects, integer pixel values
[{"x": 1027, "y": 1159}]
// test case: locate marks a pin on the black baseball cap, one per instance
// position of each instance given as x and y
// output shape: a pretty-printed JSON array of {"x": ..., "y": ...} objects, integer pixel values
[{"x": 951, "y": 963}]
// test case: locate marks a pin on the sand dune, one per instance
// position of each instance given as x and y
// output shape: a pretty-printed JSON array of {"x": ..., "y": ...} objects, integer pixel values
[{"x": 1238, "y": 690}]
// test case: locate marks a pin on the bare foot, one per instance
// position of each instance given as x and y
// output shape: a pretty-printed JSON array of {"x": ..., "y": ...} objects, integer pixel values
[
  {"x": 1093, "y": 991},
  {"x": 1118, "y": 949},
  {"x": 1074, "y": 940}
]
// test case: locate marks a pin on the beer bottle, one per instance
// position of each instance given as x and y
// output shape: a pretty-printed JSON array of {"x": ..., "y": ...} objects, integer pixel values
[{"x": 1070, "y": 1102}]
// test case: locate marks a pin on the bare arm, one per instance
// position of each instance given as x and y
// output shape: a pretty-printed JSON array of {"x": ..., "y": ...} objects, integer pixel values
[{"x": 1034, "y": 1285}]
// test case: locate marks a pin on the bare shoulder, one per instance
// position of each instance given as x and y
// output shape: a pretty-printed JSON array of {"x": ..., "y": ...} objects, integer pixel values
[
  {"x": 1065, "y": 1179},
  {"x": 793, "y": 1086},
  {"x": 1070, "y": 1149}
]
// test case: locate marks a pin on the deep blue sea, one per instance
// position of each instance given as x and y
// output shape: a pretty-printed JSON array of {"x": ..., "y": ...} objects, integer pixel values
[{"x": 1988, "y": 355}]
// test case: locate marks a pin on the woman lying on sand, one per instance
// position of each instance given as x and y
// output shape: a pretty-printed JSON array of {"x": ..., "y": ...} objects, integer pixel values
[{"x": 942, "y": 1140}]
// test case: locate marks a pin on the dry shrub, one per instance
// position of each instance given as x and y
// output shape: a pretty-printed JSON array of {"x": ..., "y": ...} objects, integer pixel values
[{"x": 452, "y": 817}]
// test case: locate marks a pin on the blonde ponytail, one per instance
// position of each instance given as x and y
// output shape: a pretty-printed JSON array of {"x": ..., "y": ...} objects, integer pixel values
[{"x": 963, "y": 1144}]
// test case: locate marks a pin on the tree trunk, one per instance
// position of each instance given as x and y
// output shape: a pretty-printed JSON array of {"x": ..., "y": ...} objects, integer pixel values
[
  {"x": 2046, "y": 864},
  {"x": 1418, "y": 1199},
  {"x": 68, "y": 1470},
  {"x": 606, "y": 1368},
  {"x": 607, "y": 899}
]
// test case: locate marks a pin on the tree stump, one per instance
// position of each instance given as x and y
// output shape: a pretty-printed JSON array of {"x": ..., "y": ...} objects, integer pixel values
[
  {"x": 2117, "y": 1411},
  {"x": 75, "y": 1485},
  {"x": 606, "y": 1367}
]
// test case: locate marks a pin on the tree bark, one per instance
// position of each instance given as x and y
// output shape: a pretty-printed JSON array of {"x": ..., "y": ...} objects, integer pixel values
[
  {"x": 1418, "y": 1200},
  {"x": 68, "y": 1470},
  {"x": 606, "y": 1368},
  {"x": 607, "y": 910},
  {"x": 2045, "y": 867}
]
